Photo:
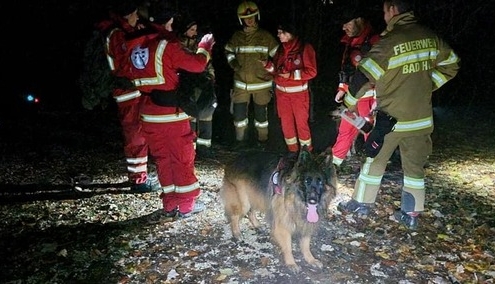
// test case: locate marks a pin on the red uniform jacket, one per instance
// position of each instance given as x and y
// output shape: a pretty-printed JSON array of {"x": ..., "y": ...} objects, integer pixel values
[
  {"x": 156, "y": 62},
  {"x": 296, "y": 58}
]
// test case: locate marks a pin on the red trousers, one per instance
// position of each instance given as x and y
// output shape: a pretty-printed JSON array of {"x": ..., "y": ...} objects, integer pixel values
[
  {"x": 171, "y": 144},
  {"x": 347, "y": 132},
  {"x": 135, "y": 145},
  {"x": 293, "y": 110}
]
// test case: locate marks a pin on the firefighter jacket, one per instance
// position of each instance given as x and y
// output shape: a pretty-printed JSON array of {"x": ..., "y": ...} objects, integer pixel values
[
  {"x": 243, "y": 51},
  {"x": 355, "y": 49},
  {"x": 299, "y": 60},
  {"x": 406, "y": 56}
]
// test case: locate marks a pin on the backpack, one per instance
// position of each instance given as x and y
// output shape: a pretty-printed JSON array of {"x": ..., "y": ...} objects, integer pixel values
[
  {"x": 197, "y": 94},
  {"x": 96, "y": 80}
]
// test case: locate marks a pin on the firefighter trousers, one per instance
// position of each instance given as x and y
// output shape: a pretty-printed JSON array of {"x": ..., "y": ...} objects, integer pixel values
[{"x": 414, "y": 151}]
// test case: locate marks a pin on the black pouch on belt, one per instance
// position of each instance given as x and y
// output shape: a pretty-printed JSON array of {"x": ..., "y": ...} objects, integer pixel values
[
  {"x": 164, "y": 98},
  {"x": 384, "y": 124}
]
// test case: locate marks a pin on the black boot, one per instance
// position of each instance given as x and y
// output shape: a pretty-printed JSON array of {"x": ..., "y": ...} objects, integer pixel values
[
  {"x": 354, "y": 207},
  {"x": 410, "y": 220}
]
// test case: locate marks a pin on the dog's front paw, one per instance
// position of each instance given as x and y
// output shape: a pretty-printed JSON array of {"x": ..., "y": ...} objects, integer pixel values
[
  {"x": 316, "y": 263},
  {"x": 294, "y": 268}
]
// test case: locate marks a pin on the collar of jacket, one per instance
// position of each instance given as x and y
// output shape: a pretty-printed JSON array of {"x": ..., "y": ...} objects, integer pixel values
[
  {"x": 293, "y": 45},
  {"x": 252, "y": 29},
  {"x": 360, "y": 39},
  {"x": 400, "y": 20}
]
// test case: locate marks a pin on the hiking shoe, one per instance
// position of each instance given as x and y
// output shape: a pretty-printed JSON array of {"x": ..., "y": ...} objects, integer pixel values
[
  {"x": 410, "y": 220},
  {"x": 151, "y": 184},
  {"x": 354, "y": 207},
  {"x": 176, "y": 214},
  {"x": 159, "y": 216}
]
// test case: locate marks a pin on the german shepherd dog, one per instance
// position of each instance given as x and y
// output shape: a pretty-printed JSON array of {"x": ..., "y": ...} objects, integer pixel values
[{"x": 293, "y": 194}]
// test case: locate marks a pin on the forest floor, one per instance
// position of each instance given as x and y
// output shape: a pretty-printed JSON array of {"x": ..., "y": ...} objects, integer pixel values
[{"x": 52, "y": 233}]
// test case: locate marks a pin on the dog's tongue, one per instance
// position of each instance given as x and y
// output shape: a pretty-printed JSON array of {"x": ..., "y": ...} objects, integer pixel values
[{"x": 312, "y": 215}]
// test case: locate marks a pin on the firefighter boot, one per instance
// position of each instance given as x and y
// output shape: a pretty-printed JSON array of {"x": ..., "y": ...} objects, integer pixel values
[
  {"x": 409, "y": 219},
  {"x": 262, "y": 134},
  {"x": 241, "y": 142}
]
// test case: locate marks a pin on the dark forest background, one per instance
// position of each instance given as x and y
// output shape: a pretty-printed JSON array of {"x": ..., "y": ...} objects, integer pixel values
[{"x": 44, "y": 43}]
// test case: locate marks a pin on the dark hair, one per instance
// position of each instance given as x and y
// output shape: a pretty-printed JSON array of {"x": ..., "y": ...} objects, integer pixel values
[
  {"x": 289, "y": 27},
  {"x": 124, "y": 7},
  {"x": 402, "y": 5}
]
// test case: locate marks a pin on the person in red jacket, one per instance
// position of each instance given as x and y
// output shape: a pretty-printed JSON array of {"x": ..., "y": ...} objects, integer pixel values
[
  {"x": 357, "y": 41},
  {"x": 155, "y": 65},
  {"x": 125, "y": 21},
  {"x": 292, "y": 67}
]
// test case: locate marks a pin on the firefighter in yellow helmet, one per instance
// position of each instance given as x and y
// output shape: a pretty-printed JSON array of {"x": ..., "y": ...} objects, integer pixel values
[{"x": 244, "y": 50}]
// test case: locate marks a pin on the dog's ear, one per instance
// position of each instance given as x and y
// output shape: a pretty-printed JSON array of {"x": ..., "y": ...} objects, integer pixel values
[
  {"x": 304, "y": 156},
  {"x": 328, "y": 168}
]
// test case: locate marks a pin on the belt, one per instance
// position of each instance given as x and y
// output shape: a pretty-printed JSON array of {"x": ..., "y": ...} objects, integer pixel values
[{"x": 293, "y": 89}]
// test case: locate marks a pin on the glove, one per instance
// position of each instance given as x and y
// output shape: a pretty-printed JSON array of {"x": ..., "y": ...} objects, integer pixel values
[
  {"x": 338, "y": 97},
  {"x": 343, "y": 87},
  {"x": 206, "y": 43},
  {"x": 384, "y": 124}
]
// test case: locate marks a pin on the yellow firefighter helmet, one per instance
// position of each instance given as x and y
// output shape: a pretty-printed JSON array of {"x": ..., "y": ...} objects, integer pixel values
[{"x": 247, "y": 9}]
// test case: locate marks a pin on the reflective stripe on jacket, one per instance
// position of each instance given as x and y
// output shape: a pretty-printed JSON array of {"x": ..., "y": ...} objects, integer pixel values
[{"x": 406, "y": 72}]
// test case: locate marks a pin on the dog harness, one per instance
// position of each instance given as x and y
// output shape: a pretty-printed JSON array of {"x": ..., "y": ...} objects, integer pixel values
[{"x": 274, "y": 178}]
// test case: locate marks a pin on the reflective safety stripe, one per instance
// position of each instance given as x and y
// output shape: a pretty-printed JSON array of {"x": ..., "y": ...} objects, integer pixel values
[
  {"x": 293, "y": 89},
  {"x": 365, "y": 179},
  {"x": 369, "y": 93},
  {"x": 305, "y": 142},
  {"x": 412, "y": 57},
  {"x": 405, "y": 126},
  {"x": 252, "y": 87},
  {"x": 138, "y": 169},
  {"x": 350, "y": 100},
  {"x": 138, "y": 160},
  {"x": 242, "y": 123},
  {"x": 291, "y": 141},
  {"x": 180, "y": 189},
  {"x": 416, "y": 183},
  {"x": 127, "y": 96},
  {"x": 297, "y": 74},
  {"x": 453, "y": 58},
  {"x": 107, "y": 49},
  {"x": 438, "y": 78},
  {"x": 372, "y": 67},
  {"x": 187, "y": 188},
  {"x": 258, "y": 124},
  {"x": 337, "y": 161},
  {"x": 164, "y": 118},
  {"x": 230, "y": 57},
  {"x": 251, "y": 49},
  {"x": 160, "y": 78},
  {"x": 204, "y": 142},
  {"x": 273, "y": 51},
  {"x": 168, "y": 188}
]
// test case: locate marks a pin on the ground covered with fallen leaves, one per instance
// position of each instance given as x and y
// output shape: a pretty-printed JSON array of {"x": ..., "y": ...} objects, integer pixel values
[{"x": 52, "y": 233}]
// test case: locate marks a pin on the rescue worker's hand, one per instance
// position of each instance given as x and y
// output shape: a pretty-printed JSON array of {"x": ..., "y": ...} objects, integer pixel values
[
  {"x": 339, "y": 96},
  {"x": 207, "y": 42}
]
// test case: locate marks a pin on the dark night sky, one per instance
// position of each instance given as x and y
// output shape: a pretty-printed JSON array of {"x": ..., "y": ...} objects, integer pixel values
[{"x": 46, "y": 47}]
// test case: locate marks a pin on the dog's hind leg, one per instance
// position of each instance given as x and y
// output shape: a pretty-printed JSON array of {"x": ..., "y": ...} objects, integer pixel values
[
  {"x": 283, "y": 238},
  {"x": 304, "y": 244},
  {"x": 254, "y": 220},
  {"x": 234, "y": 220}
]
